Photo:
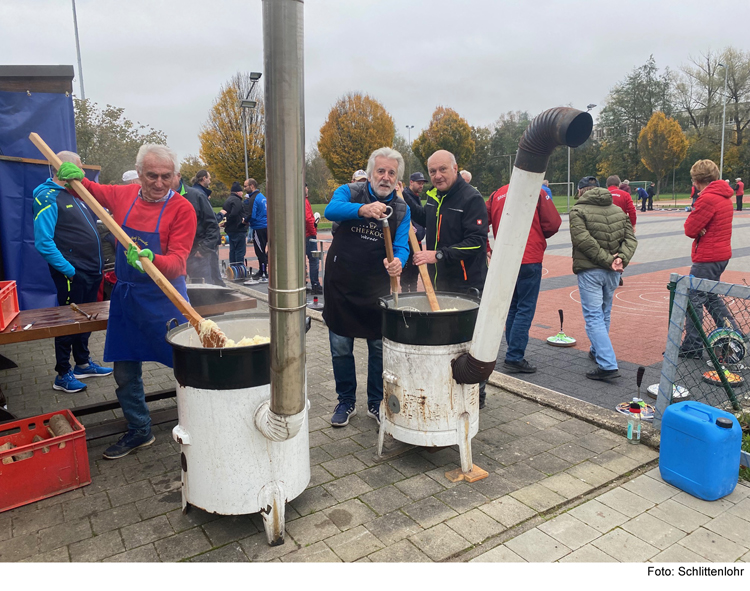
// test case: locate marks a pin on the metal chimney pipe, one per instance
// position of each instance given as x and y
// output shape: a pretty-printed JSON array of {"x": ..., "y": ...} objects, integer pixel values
[
  {"x": 561, "y": 126},
  {"x": 283, "y": 49}
]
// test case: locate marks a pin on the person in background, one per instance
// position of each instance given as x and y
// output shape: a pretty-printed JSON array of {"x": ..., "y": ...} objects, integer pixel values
[
  {"x": 739, "y": 191},
  {"x": 163, "y": 224},
  {"x": 622, "y": 199},
  {"x": 546, "y": 189},
  {"x": 650, "y": 192},
  {"x": 203, "y": 261},
  {"x": 411, "y": 194},
  {"x": 643, "y": 197},
  {"x": 710, "y": 226},
  {"x": 625, "y": 186},
  {"x": 311, "y": 244},
  {"x": 545, "y": 224},
  {"x": 234, "y": 225},
  {"x": 603, "y": 245},
  {"x": 359, "y": 176},
  {"x": 130, "y": 177},
  {"x": 255, "y": 213},
  {"x": 65, "y": 235},
  {"x": 358, "y": 275}
]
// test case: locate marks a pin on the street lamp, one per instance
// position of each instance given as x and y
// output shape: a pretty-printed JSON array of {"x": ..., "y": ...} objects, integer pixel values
[
  {"x": 723, "y": 123},
  {"x": 588, "y": 108},
  {"x": 408, "y": 129},
  {"x": 78, "y": 50},
  {"x": 248, "y": 104}
]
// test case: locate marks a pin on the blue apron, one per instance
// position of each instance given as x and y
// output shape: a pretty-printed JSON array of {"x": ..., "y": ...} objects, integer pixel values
[{"x": 139, "y": 310}]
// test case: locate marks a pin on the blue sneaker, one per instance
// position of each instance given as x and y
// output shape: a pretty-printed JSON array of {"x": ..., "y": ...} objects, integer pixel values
[
  {"x": 128, "y": 442},
  {"x": 341, "y": 415},
  {"x": 373, "y": 411},
  {"x": 92, "y": 370},
  {"x": 68, "y": 383}
]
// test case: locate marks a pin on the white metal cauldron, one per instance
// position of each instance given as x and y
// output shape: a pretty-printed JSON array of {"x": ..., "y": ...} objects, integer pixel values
[
  {"x": 228, "y": 466},
  {"x": 422, "y": 403}
]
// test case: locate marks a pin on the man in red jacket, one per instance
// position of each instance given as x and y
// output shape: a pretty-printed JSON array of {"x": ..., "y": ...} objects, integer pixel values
[
  {"x": 710, "y": 226},
  {"x": 545, "y": 224},
  {"x": 311, "y": 244},
  {"x": 739, "y": 190},
  {"x": 621, "y": 198}
]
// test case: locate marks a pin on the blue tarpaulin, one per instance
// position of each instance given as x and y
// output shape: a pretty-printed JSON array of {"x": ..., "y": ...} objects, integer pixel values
[{"x": 51, "y": 116}]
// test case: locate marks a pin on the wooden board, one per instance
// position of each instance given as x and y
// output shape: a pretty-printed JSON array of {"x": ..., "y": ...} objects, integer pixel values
[{"x": 62, "y": 321}]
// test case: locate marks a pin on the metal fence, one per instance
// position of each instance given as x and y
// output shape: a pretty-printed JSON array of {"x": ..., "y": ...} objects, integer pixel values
[{"x": 707, "y": 355}]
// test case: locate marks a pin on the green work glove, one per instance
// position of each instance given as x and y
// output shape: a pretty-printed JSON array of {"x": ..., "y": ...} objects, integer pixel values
[
  {"x": 133, "y": 257},
  {"x": 69, "y": 171}
]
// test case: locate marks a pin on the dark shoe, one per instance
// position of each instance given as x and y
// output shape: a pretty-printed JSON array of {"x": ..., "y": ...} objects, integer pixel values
[
  {"x": 482, "y": 402},
  {"x": 690, "y": 354},
  {"x": 603, "y": 374},
  {"x": 341, "y": 415},
  {"x": 522, "y": 366},
  {"x": 128, "y": 442},
  {"x": 592, "y": 356},
  {"x": 373, "y": 411},
  {"x": 257, "y": 276},
  {"x": 317, "y": 290}
]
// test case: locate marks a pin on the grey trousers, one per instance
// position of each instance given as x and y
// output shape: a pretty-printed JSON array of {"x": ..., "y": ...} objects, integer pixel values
[{"x": 712, "y": 302}]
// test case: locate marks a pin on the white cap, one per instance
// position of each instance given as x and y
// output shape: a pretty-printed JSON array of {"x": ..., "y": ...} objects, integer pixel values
[
  {"x": 739, "y": 179},
  {"x": 129, "y": 175},
  {"x": 360, "y": 174}
]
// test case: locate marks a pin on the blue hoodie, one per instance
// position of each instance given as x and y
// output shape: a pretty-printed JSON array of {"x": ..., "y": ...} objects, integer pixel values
[{"x": 65, "y": 231}]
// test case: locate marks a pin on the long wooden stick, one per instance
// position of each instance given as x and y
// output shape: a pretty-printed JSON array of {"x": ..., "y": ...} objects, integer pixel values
[
  {"x": 169, "y": 290},
  {"x": 389, "y": 253},
  {"x": 434, "y": 306}
]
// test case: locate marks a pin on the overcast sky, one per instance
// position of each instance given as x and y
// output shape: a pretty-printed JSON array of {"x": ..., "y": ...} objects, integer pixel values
[{"x": 164, "y": 61}]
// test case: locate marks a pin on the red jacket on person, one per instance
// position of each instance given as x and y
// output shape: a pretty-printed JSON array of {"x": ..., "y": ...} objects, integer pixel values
[
  {"x": 624, "y": 201},
  {"x": 310, "y": 230},
  {"x": 713, "y": 212},
  {"x": 545, "y": 224}
]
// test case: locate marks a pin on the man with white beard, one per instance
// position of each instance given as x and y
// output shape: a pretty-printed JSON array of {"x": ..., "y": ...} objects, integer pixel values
[{"x": 358, "y": 273}]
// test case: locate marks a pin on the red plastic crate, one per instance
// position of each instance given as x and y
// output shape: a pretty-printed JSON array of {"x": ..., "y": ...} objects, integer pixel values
[
  {"x": 64, "y": 467},
  {"x": 8, "y": 303}
]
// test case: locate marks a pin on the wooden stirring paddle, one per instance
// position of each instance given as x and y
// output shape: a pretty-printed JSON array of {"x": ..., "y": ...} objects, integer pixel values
[
  {"x": 211, "y": 336},
  {"x": 434, "y": 306}
]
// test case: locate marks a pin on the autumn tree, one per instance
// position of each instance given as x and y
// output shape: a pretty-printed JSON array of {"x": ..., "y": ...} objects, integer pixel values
[
  {"x": 320, "y": 183},
  {"x": 221, "y": 136},
  {"x": 356, "y": 126},
  {"x": 662, "y": 146},
  {"x": 107, "y": 138},
  {"x": 447, "y": 131},
  {"x": 626, "y": 112}
]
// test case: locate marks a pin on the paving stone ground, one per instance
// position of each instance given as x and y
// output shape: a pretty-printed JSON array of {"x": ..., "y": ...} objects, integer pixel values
[{"x": 560, "y": 489}]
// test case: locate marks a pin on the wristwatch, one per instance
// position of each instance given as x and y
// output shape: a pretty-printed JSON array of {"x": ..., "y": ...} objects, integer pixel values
[{"x": 439, "y": 255}]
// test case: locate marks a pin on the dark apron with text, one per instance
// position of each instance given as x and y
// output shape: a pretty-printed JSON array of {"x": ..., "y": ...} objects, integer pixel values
[
  {"x": 355, "y": 279},
  {"x": 139, "y": 310}
]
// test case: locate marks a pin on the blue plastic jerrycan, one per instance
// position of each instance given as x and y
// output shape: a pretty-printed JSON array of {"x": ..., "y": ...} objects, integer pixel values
[{"x": 700, "y": 449}]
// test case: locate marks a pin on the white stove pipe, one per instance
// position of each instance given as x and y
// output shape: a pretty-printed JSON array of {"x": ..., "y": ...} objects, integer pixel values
[{"x": 552, "y": 128}]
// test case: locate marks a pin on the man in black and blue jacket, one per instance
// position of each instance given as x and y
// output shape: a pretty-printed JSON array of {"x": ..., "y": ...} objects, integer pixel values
[{"x": 65, "y": 235}]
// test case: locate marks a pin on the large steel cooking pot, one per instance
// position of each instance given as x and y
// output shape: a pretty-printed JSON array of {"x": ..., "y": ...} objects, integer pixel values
[{"x": 414, "y": 323}]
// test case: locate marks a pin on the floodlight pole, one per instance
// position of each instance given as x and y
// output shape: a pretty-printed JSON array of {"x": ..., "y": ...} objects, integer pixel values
[
  {"x": 408, "y": 130},
  {"x": 254, "y": 77},
  {"x": 723, "y": 123},
  {"x": 78, "y": 50}
]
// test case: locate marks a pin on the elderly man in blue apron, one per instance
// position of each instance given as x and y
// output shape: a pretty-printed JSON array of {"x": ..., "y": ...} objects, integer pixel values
[
  {"x": 358, "y": 274},
  {"x": 163, "y": 224}
]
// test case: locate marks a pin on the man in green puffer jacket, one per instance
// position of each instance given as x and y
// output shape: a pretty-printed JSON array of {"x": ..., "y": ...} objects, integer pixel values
[{"x": 603, "y": 245}]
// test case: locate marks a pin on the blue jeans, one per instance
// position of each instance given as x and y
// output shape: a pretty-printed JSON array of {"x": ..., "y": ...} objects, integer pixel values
[
  {"x": 130, "y": 395},
  {"x": 342, "y": 351},
  {"x": 597, "y": 289},
  {"x": 310, "y": 246},
  {"x": 237, "y": 247},
  {"x": 522, "y": 308}
]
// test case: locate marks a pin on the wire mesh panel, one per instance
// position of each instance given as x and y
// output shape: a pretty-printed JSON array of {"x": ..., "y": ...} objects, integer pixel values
[{"x": 707, "y": 356}]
